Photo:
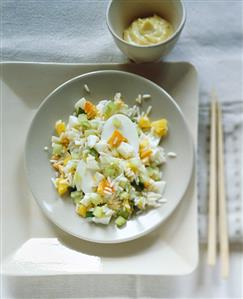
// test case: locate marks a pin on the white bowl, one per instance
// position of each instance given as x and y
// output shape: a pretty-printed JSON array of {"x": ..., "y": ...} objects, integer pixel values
[
  {"x": 59, "y": 105},
  {"x": 121, "y": 13}
]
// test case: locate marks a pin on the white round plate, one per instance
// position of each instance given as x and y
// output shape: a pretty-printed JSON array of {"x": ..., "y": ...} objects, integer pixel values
[{"x": 59, "y": 105}]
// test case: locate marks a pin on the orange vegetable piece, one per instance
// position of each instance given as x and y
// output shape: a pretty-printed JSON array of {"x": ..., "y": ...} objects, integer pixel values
[
  {"x": 90, "y": 109},
  {"x": 65, "y": 141},
  {"x": 102, "y": 185},
  {"x": 116, "y": 139},
  {"x": 145, "y": 153}
]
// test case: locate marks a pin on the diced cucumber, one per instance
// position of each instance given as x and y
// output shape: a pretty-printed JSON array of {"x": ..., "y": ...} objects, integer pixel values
[
  {"x": 83, "y": 121},
  {"x": 112, "y": 170},
  {"x": 110, "y": 109},
  {"x": 98, "y": 212},
  {"x": 124, "y": 184},
  {"x": 77, "y": 181},
  {"x": 120, "y": 221},
  {"x": 96, "y": 200},
  {"x": 76, "y": 196},
  {"x": 94, "y": 152},
  {"x": 75, "y": 155},
  {"x": 82, "y": 117},
  {"x": 76, "y": 200},
  {"x": 57, "y": 149},
  {"x": 124, "y": 213},
  {"x": 94, "y": 125},
  {"x": 154, "y": 173},
  {"x": 124, "y": 195},
  {"x": 90, "y": 132}
]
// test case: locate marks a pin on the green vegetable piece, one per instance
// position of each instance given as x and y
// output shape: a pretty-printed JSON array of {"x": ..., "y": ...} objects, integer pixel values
[
  {"x": 94, "y": 125},
  {"x": 82, "y": 117},
  {"x": 79, "y": 111},
  {"x": 138, "y": 187},
  {"x": 140, "y": 204},
  {"x": 57, "y": 149},
  {"x": 94, "y": 152},
  {"x": 124, "y": 196},
  {"x": 96, "y": 200},
  {"x": 120, "y": 221},
  {"x": 124, "y": 184},
  {"x": 113, "y": 170},
  {"x": 90, "y": 132},
  {"x": 83, "y": 121},
  {"x": 109, "y": 172},
  {"x": 89, "y": 214},
  {"x": 76, "y": 200},
  {"x": 76, "y": 196},
  {"x": 154, "y": 173},
  {"x": 85, "y": 154},
  {"x": 75, "y": 155},
  {"x": 98, "y": 212},
  {"x": 72, "y": 189},
  {"x": 77, "y": 180},
  {"x": 110, "y": 109},
  {"x": 124, "y": 213}
]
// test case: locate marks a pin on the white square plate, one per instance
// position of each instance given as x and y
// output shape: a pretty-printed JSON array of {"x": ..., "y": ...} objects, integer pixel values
[{"x": 34, "y": 246}]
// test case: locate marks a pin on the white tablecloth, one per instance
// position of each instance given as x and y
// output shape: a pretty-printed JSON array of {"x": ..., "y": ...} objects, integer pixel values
[{"x": 75, "y": 31}]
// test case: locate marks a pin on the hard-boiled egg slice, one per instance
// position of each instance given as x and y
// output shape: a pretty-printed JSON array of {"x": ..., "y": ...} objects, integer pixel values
[
  {"x": 84, "y": 178},
  {"x": 125, "y": 126}
]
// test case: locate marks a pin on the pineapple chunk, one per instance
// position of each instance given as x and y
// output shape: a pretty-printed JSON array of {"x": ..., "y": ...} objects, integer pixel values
[
  {"x": 81, "y": 210},
  {"x": 160, "y": 127},
  {"x": 144, "y": 123},
  {"x": 62, "y": 186},
  {"x": 67, "y": 158},
  {"x": 145, "y": 153},
  {"x": 144, "y": 144},
  {"x": 60, "y": 127}
]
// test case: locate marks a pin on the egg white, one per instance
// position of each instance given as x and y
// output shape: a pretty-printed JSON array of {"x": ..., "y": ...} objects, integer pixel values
[
  {"x": 87, "y": 177},
  {"x": 127, "y": 129}
]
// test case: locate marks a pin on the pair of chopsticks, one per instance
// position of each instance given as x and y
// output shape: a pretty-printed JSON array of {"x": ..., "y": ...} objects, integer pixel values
[{"x": 217, "y": 195}]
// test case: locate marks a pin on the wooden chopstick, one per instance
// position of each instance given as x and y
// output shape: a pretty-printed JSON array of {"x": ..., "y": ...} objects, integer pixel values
[
  {"x": 223, "y": 227},
  {"x": 217, "y": 191},
  {"x": 212, "y": 239}
]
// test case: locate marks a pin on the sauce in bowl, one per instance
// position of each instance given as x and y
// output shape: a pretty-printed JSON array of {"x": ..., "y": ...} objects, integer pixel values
[{"x": 148, "y": 31}]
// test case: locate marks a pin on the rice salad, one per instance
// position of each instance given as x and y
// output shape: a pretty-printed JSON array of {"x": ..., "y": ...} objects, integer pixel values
[{"x": 107, "y": 158}]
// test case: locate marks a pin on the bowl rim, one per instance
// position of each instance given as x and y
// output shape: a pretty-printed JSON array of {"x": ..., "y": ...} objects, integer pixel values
[
  {"x": 172, "y": 37},
  {"x": 40, "y": 202}
]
